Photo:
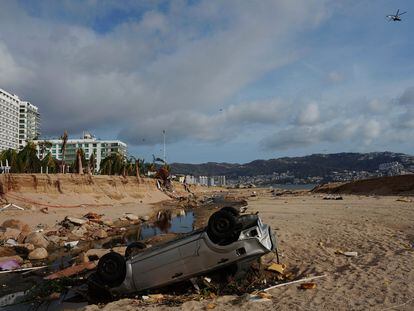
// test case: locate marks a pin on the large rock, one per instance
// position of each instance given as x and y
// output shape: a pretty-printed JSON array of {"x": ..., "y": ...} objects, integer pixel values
[
  {"x": 38, "y": 253},
  {"x": 37, "y": 239},
  {"x": 16, "y": 224}
]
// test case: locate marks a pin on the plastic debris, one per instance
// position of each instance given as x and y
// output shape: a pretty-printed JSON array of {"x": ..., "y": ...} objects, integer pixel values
[
  {"x": 351, "y": 254},
  {"x": 11, "y": 206},
  {"x": 71, "y": 244},
  {"x": 10, "y": 264},
  {"x": 276, "y": 267}
]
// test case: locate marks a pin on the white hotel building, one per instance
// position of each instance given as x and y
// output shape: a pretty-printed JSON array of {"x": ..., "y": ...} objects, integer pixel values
[
  {"x": 9, "y": 120},
  {"x": 89, "y": 144},
  {"x": 29, "y": 123}
]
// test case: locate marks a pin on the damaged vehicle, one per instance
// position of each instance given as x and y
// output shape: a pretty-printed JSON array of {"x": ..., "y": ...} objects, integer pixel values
[{"x": 230, "y": 240}]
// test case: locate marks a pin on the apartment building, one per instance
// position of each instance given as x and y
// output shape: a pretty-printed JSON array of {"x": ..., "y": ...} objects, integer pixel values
[{"x": 9, "y": 120}]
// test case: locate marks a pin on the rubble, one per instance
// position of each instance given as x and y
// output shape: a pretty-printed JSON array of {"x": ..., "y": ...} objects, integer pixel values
[
  {"x": 37, "y": 239},
  {"x": 76, "y": 221},
  {"x": 16, "y": 224},
  {"x": 38, "y": 253},
  {"x": 144, "y": 218},
  {"x": 11, "y": 233},
  {"x": 15, "y": 257},
  {"x": 76, "y": 269},
  {"x": 131, "y": 217}
]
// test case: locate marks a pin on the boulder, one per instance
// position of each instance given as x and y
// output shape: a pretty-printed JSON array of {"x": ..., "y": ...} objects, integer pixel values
[
  {"x": 37, "y": 239},
  {"x": 16, "y": 224},
  {"x": 38, "y": 253}
]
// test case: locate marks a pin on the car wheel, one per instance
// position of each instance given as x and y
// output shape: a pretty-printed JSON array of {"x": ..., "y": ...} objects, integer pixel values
[
  {"x": 222, "y": 228},
  {"x": 112, "y": 269},
  {"x": 234, "y": 211},
  {"x": 133, "y": 249}
]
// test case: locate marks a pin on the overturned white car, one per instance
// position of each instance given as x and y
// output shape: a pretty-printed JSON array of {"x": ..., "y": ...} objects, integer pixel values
[{"x": 229, "y": 239}]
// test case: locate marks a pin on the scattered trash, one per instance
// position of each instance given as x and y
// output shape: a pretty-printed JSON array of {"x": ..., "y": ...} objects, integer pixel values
[
  {"x": 45, "y": 210},
  {"x": 72, "y": 270},
  {"x": 309, "y": 285},
  {"x": 406, "y": 200},
  {"x": 11, "y": 206},
  {"x": 351, "y": 254},
  {"x": 211, "y": 306},
  {"x": 276, "y": 267},
  {"x": 71, "y": 244},
  {"x": 9, "y": 264},
  {"x": 332, "y": 197},
  {"x": 76, "y": 221},
  {"x": 24, "y": 269},
  {"x": 296, "y": 281}
]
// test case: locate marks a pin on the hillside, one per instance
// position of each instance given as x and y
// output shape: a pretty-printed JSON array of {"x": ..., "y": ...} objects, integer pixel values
[
  {"x": 393, "y": 185},
  {"x": 307, "y": 166}
]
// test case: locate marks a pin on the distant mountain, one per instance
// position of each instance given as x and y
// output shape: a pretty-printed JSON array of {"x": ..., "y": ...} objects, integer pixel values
[{"x": 301, "y": 167}]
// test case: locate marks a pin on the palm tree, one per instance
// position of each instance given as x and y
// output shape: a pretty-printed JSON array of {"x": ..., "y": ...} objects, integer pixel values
[
  {"x": 50, "y": 163},
  {"x": 80, "y": 158},
  {"x": 44, "y": 146},
  {"x": 11, "y": 156},
  {"x": 63, "y": 149},
  {"x": 92, "y": 164},
  {"x": 113, "y": 164},
  {"x": 28, "y": 160}
]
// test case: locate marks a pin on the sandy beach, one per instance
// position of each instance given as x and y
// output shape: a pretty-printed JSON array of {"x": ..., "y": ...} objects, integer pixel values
[{"x": 311, "y": 231}]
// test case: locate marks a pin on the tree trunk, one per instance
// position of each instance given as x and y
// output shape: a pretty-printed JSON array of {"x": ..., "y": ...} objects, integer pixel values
[{"x": 80, "y": 167}]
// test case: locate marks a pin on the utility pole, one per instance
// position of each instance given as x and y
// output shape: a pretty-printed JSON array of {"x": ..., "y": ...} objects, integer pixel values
[{"x": 163, "y": 133}]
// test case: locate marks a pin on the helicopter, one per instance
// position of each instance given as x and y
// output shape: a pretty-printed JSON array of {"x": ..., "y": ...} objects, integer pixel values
[{"x": 396, "y": 17}]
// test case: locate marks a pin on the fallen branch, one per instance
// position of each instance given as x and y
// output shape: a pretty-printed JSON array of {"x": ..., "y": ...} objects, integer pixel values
[{"x": 296, "y": 281}]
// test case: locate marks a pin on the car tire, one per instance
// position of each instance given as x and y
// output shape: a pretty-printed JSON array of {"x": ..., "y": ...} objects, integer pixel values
[
  {"x": 112, "y": 269},
  {"x": 133, "y": 249},
  {"x": 232, "y": 210},
  {"x": 222, "y": 228}
]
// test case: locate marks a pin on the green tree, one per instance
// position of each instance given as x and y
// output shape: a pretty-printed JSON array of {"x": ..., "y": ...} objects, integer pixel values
[
  {"x": 11, "y": 156},
  {"x": 28, "y": 160}
]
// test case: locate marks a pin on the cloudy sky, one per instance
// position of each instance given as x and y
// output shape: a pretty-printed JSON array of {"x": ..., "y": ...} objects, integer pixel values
[{"x": 228, "y": 80}]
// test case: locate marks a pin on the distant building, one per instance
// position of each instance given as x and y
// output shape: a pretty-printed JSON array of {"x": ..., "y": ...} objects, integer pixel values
[
  {"x": 221, "y": 181},
  {"x": 203, "y": 180},
  {"x": 89, "y": 144},
  {"x": 29, "y": 123},
  {"x": 190, "y": 180},
  {"x": 211, "y": 182},
  {"x": 9, "y": 120}
]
